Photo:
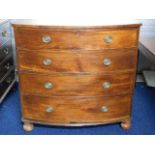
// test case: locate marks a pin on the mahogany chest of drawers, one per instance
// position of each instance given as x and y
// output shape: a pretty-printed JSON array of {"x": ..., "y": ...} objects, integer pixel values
[
  {"x": 75, "y": 76},
  {"x": 7, "y": 67}
]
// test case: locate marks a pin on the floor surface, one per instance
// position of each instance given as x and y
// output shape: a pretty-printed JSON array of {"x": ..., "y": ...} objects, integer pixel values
[{"x": 143, "y": 118}]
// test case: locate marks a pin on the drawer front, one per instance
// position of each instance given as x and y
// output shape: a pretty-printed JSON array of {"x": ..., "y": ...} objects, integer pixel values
[
  {"x": 6, "y": 66},
  {"x": 88, "y": 39},
  {"x": 76, "y": 85},
  {"x": 6, "y": 83},
  {"x": 75, "y": 110},
  {"x": 5, "y": 50},
  {"x": 5, "y": 33},
  {"x": 75, "y": 62}
]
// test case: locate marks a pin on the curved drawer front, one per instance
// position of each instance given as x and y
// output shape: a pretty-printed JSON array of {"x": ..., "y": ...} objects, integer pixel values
[
  {"x": 88, "y": 39},
  {"x": 75, "y": 62},
  {"x": 76, "y": 85},
  {"x": 75, "y": 110}
]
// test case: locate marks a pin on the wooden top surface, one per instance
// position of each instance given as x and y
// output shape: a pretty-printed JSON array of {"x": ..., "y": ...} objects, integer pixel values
[{"x": 76, "y": 23}]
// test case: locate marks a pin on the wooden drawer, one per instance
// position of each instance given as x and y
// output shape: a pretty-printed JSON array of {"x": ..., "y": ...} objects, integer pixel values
[
  {"x": 5, "y": 33},
  {"x": 63, "y": 39},
  {"x": 76, "y": 85},
  {"x": 76, "y": 110},
  {"x": 77, "y": 61},
  {"x": 5, "y": 50}
]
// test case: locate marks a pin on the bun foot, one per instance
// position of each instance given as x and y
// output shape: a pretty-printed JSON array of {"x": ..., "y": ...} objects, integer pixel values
[
  {"x": 27, "y": 126},
  {"x": 126, "y": 125}
]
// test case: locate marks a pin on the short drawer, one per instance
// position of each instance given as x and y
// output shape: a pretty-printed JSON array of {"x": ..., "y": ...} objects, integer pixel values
[
  {"x": 5, "y": 33},
  {"x": 77, "y": 61},
  {"x": 75, "y": 110},
  {"x": 5, "y": 50},
  {"x": 6, "y": 66},
  {"x": 76, "y": 85},
  {"x": 88, "y": 39}
]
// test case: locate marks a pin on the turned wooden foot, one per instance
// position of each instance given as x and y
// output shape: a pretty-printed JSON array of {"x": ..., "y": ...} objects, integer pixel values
[
  {"x": 126, "y": 125},
  {"x": 28, "y": 126}
]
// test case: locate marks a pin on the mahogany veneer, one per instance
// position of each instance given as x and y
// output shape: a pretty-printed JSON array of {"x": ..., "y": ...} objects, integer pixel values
[
  {"x": 78, "y": 61},
  {"x": 73, "y": 76}
]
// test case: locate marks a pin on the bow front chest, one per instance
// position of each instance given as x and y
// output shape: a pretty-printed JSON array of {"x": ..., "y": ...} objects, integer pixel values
[{"x": 75, "y": 76}]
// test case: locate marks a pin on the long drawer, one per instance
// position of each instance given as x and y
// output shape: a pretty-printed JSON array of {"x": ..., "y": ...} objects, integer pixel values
[
  {"x": 5, "y": 33},
  {"x": 77, "y": 39},
  {"x": 75, "y": 110},
  {"x": 46, "y": 61},
  {"x": 76, "y": 85}
]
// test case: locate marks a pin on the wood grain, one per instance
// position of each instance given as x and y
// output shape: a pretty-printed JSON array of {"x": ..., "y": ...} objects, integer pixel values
[
  {"x": 77, "y": 73},
  {"x": 32, "y": 25},
  {"x": 76, "y": 85},
  {"x": 75, "y": 110},
  {"x": 73, "y": 61},
  {"x": 32, "y": 39}
]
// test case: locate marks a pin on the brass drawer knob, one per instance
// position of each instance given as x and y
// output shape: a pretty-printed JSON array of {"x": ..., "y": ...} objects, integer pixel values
[
  {"x": 104, "y": 109},
  {"x": 49, "y": 109},
  {"x": 108, "y": 39},
  {"x": 47, "y": 62},
  {"x": 106, "y": 85},
  {"x": 48, "y": 85},
  {"x": 6, "y": 51},
  {"x": 46, "y": 39},
  {"x": 4, "y": 33},
  {"x": 107, "y": 62}
]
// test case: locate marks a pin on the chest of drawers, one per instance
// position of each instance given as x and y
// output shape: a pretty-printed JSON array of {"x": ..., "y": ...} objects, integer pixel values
[
  {"x": 7, "y": 69},
  {"x": 76, "y": 76}
]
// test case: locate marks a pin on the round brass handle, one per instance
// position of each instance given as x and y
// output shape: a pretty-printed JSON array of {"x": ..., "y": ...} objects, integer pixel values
[
  {"x": 48, "y": 85},
  {"x": 107, "y": 62},
  {"x": 108, "y": 39},
  {"x": 4, "y": 34},
  {"x": 6, "y": 51},
  {"x": 104, "y": 109},
  {"x": 47, "y": 62},
  {"x": 106, "y": 85},
  {"x": 49, "y": 109},
  {"x": 46, "y": 39}
]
